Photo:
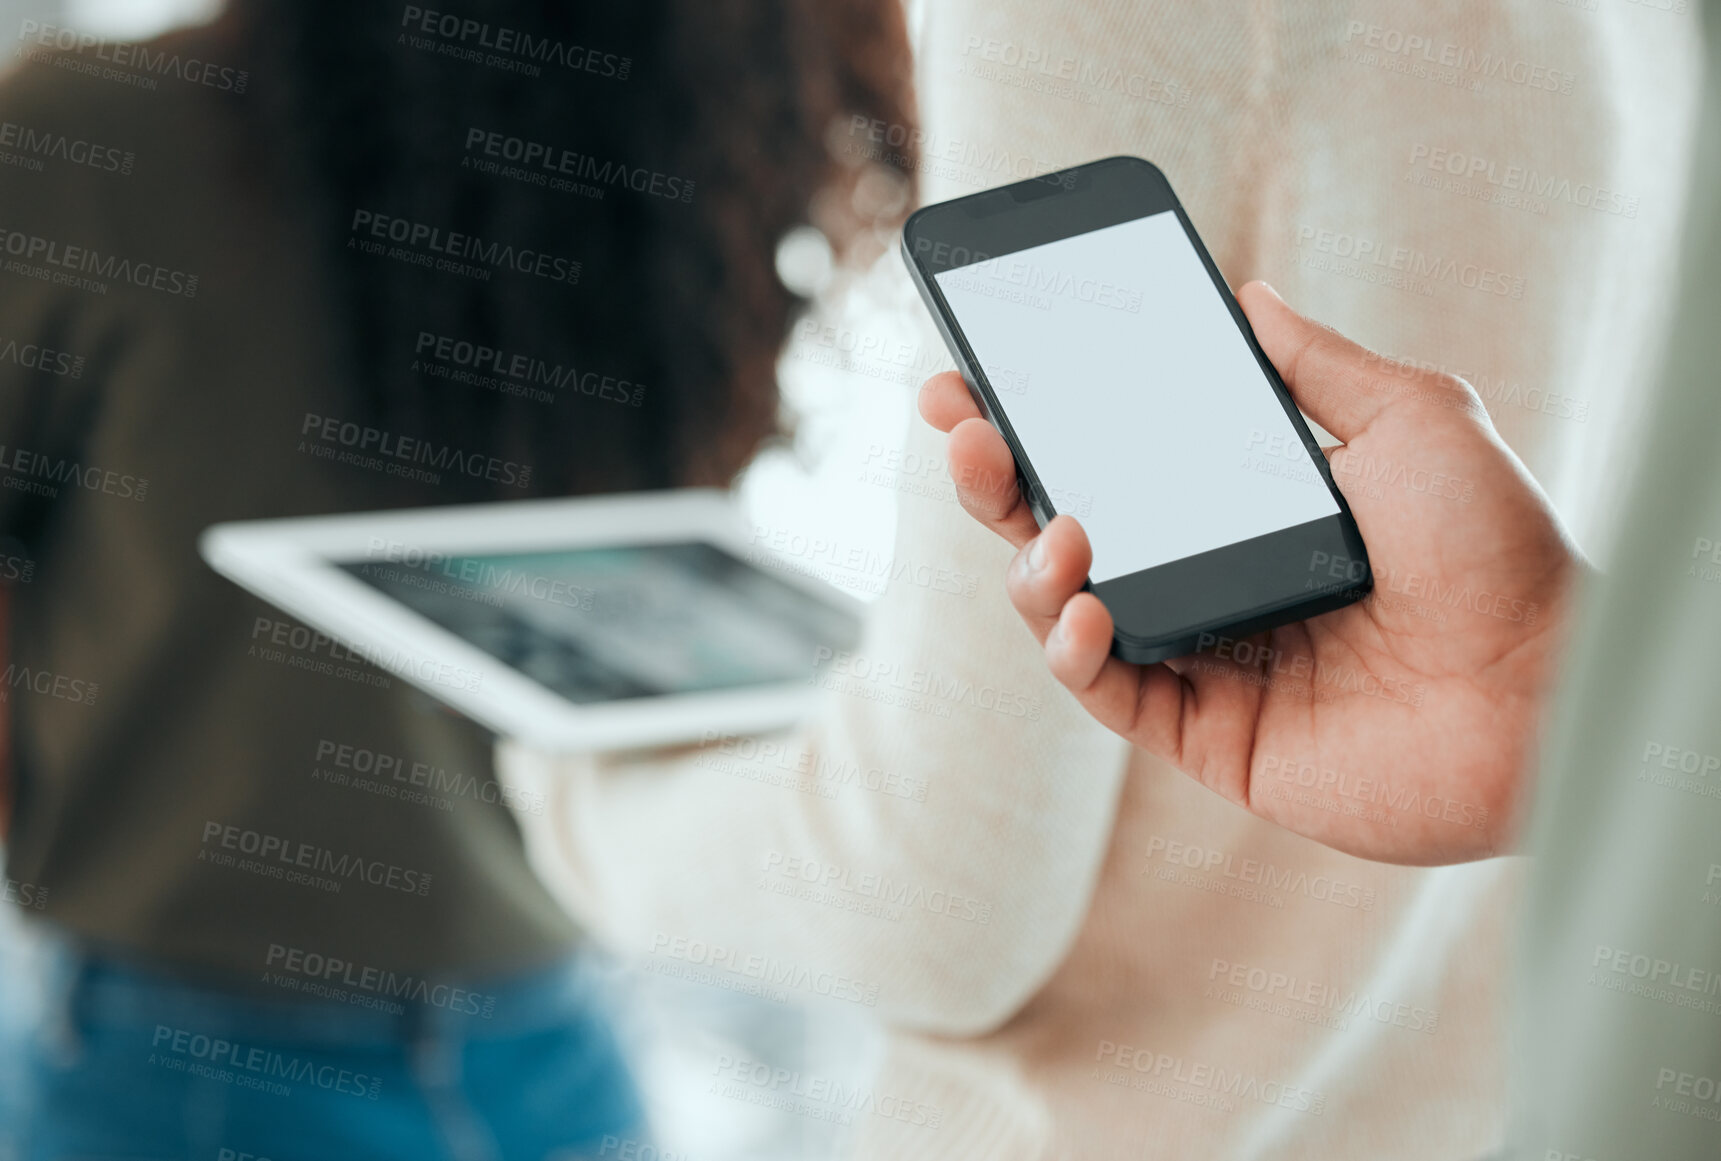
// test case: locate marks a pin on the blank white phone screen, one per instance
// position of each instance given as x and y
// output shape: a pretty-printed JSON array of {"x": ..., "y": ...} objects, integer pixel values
[{"x": 1134, "y": 395}]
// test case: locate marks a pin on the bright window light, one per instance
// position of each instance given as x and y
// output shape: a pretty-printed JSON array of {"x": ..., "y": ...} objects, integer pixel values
[{"x": 137, "y": 19}]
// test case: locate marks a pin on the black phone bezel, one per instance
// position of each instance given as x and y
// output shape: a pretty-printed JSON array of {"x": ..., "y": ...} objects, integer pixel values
[{"x": 1184, "y": 605}]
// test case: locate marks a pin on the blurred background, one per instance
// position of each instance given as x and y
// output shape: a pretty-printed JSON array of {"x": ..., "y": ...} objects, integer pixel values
[{"x": 846, "y": 375}]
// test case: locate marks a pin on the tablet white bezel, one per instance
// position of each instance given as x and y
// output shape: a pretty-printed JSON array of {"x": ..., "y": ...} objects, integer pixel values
[{"x": 292, "y": 565}]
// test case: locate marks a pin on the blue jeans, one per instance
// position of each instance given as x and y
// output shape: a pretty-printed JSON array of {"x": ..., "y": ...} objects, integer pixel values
[{"x": 133, "y": 1064}]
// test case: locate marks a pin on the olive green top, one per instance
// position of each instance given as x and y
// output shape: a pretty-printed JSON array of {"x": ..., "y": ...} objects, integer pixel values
[{"x": 167, "y": 361}]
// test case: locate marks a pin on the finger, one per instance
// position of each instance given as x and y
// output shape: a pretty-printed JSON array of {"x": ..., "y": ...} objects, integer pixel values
[
  {"x": 1144, "y": 703},
  {"x": 984, "y": 473},
  {"x": 945, "y": 402},
  {"x": 1050, "y": 570},
  {"x": 1078, "y": 642},
  {"x": 1330, "y": 377}
]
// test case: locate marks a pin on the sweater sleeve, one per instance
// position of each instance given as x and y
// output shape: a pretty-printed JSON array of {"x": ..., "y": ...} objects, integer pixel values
[{"x": 925, "y": 844}]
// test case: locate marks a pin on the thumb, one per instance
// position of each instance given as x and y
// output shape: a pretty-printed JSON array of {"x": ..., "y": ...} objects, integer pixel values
[{"x": 1335, "y": 381}]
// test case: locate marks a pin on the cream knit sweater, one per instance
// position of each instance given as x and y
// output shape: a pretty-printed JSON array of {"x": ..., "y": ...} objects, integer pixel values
[{"x": 1080, "y": 952}]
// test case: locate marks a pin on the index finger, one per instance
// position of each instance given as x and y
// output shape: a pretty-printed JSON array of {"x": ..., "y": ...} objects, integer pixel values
[{"x": 945, "y": 402}]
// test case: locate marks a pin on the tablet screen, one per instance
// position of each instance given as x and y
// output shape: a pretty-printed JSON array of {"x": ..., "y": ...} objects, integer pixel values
[{"x": 604, "y": 624}]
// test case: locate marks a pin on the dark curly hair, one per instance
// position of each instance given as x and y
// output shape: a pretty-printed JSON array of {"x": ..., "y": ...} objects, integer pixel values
[{"x": 729, "y": 105}]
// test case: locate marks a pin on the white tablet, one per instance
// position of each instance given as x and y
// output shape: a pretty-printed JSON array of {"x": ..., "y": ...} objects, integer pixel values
[{"x": 586, "y": 624}]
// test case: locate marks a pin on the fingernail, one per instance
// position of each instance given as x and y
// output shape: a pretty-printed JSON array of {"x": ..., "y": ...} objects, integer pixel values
[{"x": 1037, "y": 553}]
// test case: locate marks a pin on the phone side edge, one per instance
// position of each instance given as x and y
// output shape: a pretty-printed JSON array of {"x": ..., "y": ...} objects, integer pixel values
[{"x": 979, "y": 389}]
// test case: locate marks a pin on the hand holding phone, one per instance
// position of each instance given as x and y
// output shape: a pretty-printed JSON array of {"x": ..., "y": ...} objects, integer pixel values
[
  {"x": 1396, "y": 728},
  {"x": 1096, "y": 334}
]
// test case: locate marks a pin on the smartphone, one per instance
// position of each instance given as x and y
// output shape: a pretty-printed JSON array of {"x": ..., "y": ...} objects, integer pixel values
[{"x": 1096, "y": 334}]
